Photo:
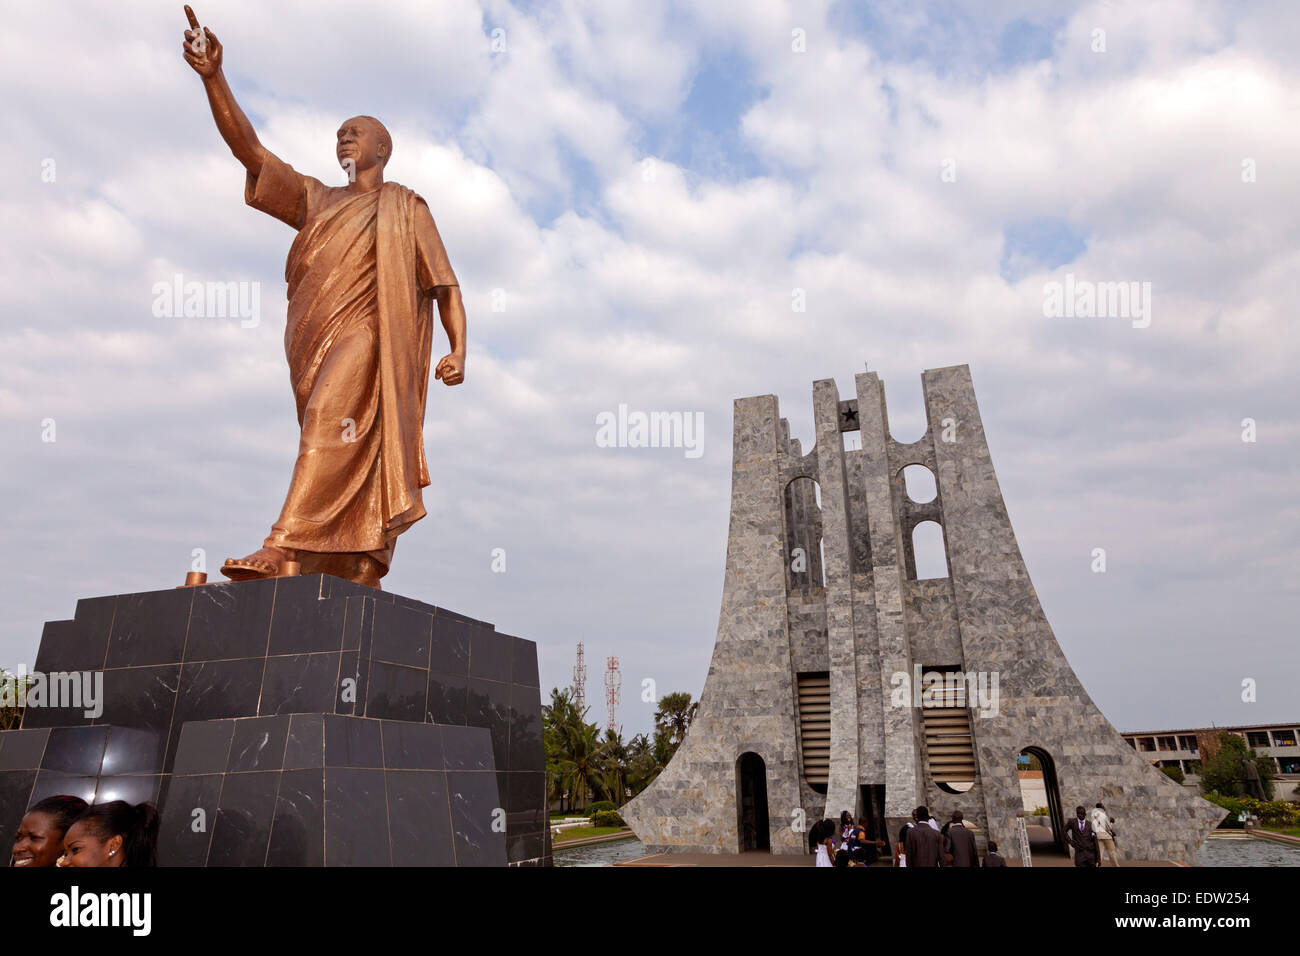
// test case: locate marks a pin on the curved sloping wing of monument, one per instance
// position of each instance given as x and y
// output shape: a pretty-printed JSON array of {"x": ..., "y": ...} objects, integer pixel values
[{"x": 826, "y": 635}]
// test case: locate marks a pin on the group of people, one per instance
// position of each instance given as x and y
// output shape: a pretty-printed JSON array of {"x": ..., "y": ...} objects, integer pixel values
[
  {"x": 1092, "y": 835},
  {"x": 853, "y": 848},
  {"x": 921, "y": 842},
  {"x": 67, "y": 831}
]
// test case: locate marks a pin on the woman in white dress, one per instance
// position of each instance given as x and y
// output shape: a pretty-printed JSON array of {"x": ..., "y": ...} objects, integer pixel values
[{"x": 826, "y": 830}]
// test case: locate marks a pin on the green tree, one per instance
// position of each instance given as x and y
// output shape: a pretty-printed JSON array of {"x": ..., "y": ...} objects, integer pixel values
[
  {"x": 642, "y": 768},
  {"x": 581, "y": 763},
  {"x": 638, "y": 745},
  {"x": 12, "y": 688},
  {"x": 574, "y": 752},
  {"x": 559, "y": 719},
  {"x": 614, "y": 767},
  {"x": 663, "y": 748},
  {"x": 1225, "y": 772},
  {"x": 587, "y": 765},
  {"x": 675, "y": 714}
]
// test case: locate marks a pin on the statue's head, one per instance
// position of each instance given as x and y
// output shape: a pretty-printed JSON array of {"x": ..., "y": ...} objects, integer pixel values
[{"x": 363, "y": 142}]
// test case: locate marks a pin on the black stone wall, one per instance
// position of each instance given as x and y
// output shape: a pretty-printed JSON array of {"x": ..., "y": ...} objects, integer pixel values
[{"x": 435, "y": 700}]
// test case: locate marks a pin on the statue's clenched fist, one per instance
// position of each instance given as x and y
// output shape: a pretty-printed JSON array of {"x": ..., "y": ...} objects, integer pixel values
[{"x": 451, "y": 369}]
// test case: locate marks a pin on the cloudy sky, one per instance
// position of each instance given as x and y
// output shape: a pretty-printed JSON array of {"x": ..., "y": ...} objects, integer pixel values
[{"x": 630, "y": 194}]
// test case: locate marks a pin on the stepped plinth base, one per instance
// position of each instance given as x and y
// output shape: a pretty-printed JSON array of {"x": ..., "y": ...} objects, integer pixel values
[{"x": 294, "y": 721}]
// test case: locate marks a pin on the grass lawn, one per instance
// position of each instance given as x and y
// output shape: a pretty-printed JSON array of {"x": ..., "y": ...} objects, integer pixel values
[
  {"x": 578, "y": 833},
  {"x": 1285, "y": 831}
]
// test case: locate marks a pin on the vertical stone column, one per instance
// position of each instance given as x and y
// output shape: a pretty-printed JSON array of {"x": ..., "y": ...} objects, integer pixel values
[
  {"x": 900, "y": 724},
  {"x": 1004, "y": 631},
  {"x": 748, "y": 700},
  {"x": 842, "y": 784}
]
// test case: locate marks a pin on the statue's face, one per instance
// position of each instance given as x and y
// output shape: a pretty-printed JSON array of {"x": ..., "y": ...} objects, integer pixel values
[{"x": 359, "y": 145}]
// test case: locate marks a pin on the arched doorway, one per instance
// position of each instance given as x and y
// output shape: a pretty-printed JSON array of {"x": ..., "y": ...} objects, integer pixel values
[
  {"x": 1048, "y": 835},
  {"x": 751, "y": 802}
]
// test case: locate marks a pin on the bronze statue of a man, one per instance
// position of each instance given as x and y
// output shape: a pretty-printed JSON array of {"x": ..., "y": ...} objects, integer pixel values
[{"x": 362, "y": 273}]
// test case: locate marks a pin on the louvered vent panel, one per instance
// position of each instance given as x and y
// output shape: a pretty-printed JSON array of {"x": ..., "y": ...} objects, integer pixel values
[
  {"x": 948, "y": 742},
  {"x": 815, "y": 726}
]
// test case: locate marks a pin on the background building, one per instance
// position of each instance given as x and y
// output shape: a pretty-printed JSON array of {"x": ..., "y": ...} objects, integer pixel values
[{"x": 1185, "y": 749}]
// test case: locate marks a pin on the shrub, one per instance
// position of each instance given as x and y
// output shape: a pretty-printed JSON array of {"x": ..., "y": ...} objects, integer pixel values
[
  {"x": 607, "y": 818},
  {"x": 1225, "y": 773},
  {"x": 1277, "y": 813},
  {"x": 601, "y": 805},
  {"x": 1173, "y": 773},
  {"x": 1040, "y": 812}
]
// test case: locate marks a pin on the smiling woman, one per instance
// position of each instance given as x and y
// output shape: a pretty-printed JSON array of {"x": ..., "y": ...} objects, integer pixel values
[{"x": 39, "y": 841}]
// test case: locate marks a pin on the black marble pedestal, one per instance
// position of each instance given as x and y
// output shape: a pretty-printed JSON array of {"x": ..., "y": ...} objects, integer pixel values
[{"x": 256, "y": 713}]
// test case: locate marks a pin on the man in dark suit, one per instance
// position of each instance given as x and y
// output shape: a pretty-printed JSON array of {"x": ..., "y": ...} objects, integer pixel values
[
  {"x": 993, "y": 857},
  {"x": 959, "y": 843},
  {"x": 900, "y": 851},
  {"x": 1082, "y": 838},
  {"x": 923, "y": 843}
]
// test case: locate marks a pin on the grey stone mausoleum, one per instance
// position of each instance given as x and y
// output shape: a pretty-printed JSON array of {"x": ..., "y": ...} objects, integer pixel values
[{"x": 826, "y": 635}]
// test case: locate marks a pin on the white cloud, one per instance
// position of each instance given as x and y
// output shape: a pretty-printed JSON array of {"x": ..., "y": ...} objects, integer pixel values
[{"x": 674, "y": 294}]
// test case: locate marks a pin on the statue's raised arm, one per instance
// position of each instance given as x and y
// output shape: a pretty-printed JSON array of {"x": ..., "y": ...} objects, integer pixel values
[{"x": 203, "y": 53}]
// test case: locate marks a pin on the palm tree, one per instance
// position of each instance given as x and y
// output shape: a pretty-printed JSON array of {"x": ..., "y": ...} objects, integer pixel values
[
  {"x": 675, "y": 714},
  {"x": 614, "y": 767},
  {"x": 646, "y": 759},
  {"x": 575, "y": 755},
  {"x": 580, "y": 762},
  {"x": 663, "y": 749},
  {"x": 559, "y": 718}
]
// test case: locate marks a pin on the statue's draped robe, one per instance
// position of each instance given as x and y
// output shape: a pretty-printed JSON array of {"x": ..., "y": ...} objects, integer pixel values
[{"x": 358, "y": 337}]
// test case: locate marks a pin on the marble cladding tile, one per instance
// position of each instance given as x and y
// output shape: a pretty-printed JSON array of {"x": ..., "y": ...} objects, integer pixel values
[
  {"x": 76, "y": 750},
  {"x": 149, "y": 628},
  {"x": 298, "y": 823}
]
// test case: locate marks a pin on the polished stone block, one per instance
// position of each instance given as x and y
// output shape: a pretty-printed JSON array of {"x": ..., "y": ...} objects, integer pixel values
[
  {"x": 22, "y": 749},
  {"x": 386, "y": 795},
  {"x": 299, "y": 823}
]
